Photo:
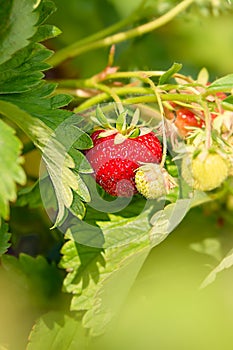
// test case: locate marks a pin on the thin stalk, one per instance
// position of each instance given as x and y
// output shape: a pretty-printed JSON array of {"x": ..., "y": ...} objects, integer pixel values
[
  {"x": 208, "y": 140},
  {"x": 75, "y": 50},
  {"x": 113, "y": 94},
  {"x": 136, "y": 74},
  {"x": 159, "y": 101},
  {"x": 146, "y": 97}
]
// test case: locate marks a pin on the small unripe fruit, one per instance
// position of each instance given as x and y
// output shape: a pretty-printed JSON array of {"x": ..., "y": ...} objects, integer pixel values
[
  {"x": 152, "y": 181},
  {"x": 205, "y": 172}
]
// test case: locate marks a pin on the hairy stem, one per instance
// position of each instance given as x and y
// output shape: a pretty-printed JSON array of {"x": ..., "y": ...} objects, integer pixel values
[
  {"x": 147, "y": 97},
  {"x": 208, "y": 140},
  {"x": 159, "y": 101}
]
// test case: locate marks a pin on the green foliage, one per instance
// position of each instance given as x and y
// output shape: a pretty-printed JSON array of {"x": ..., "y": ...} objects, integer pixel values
[
  {"x": 222, "y": 83},
  {"x": 30, "y": 104},
  {"x": 29, "y": 196},
  {"x": 58, "y": 331},
  {"x": 94, "y": 274},
  {"x": 4, "y": 238},
  {"x": 16, "y": 30},
  {"x": 225, "y": 263},
  {"x": 11, "y": 170},
  {"x": 41, "y": 280},
  {"x": 103, "y": 253}
]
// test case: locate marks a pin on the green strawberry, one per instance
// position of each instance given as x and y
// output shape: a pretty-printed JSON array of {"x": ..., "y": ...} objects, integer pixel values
[{"x": 205, "y": 172}]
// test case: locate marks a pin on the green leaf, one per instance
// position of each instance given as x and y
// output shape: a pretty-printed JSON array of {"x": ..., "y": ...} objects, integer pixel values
[
  {"x": 77, "y": 207},
  {"x": 165, "y": 221},
  {"x": 94, "y": 275},
  {"x": 38, "y": 104},
  {"x": 58, "y": 162},
  {"x": 60, "y": 100},
  {"x": 226, "y": 263},
  {"x": 23, "y": 71},
  {"x": 83, "y": 141},
  {"x": 82, "y": 189},
  {"x": 176, "y": 67},
  {"x": 4, "y": 238},
  {"x": 81, "y": 163},
  {"x": 45, "y": 32},
  {"x": 58, "y": 331},
  {"x": 101, "y": 119},
  {"x": 23, "y": 68},
  {"x": 110, "y": 298},
  {"x": 45, "y": 9},
  {"x": 15, "y": 29},
  {"x": 31, "y": 273},
  {"x": 227, "y": 103},
  {"x": 29, "y": 196},
  {"x": 225, "y": 83},
  {"x": 11, "y": 171},
  {"x": 28, "y": 102},
  {"x": 64, "y": 180}
]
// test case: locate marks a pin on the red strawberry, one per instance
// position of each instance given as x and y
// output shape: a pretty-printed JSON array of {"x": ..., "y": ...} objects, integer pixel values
[
  {"x": 114, "y": 164},
  {"x": 186, "y": 118}
]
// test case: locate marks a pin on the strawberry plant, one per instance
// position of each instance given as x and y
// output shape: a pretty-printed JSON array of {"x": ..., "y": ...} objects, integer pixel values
[{"x": 98, "y": 172}]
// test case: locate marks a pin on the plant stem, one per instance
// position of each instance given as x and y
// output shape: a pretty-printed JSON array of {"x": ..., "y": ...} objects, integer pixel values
[
  {"x": 160, "y": 104},
  {"x": 147, "y": 97},
  {"x": 136, "y": 74},
  {"x": 77, "y": 48},
  {"x": 208, "y": 140},
  {"x": 113, "y": 94}
]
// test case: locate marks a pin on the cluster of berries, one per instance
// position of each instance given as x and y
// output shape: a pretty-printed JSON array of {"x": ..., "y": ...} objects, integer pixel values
[
  {"x": 208, "y": 156},
  {"x": 116, "y": 164},
  {"x": 128, "y": 159}
]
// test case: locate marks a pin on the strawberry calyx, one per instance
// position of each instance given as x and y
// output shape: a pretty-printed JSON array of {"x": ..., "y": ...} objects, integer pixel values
[{"x": 122, "y": 129}]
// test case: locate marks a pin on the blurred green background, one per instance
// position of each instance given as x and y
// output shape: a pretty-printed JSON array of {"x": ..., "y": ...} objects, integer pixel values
[
  {"x": 194, "y": 39},
  {"x": 165, "y": 310}
]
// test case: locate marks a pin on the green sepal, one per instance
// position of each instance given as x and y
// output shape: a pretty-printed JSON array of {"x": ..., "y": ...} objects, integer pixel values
[
  {"x": 101, "y": 119},
  {"x": 134, "y": 133},
  {"x": 121, "y": 121},
  {"x": 135, "y": 118},
  {"x": 176, "y": 67}
]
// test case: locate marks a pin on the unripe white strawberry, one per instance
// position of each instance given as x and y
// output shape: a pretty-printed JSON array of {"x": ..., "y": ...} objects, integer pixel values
[
  {"x": 152, "y": 181},
  {"x": 205, "y": 172}
]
